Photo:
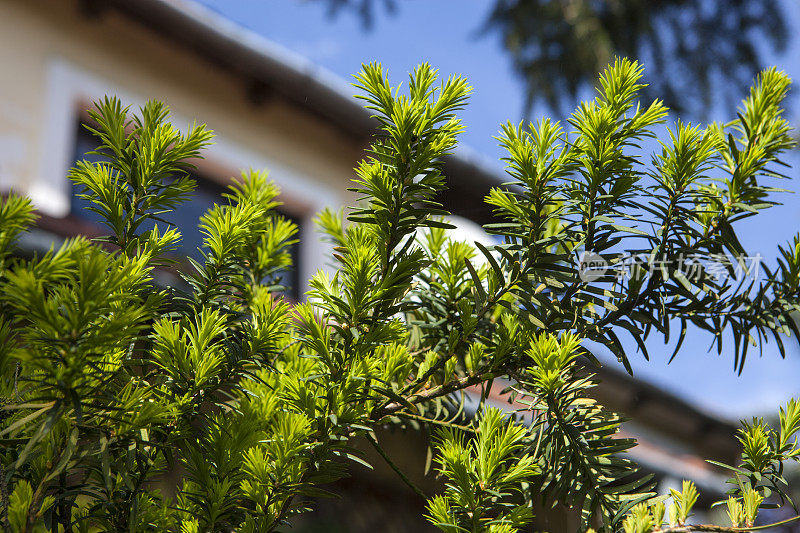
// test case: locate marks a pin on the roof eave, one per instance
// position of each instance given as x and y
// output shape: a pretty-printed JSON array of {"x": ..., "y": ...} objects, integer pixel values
[{"x": 265, "y": 65}]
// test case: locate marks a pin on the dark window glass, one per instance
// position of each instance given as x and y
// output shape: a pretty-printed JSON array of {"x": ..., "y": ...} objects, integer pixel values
[{"x": 185, "y": 218}]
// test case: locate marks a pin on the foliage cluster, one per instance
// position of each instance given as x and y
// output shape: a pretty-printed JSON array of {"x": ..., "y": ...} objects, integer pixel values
[{"x": 133, "y": 407}]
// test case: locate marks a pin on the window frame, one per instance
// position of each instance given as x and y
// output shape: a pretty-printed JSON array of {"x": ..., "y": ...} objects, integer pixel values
[{"x": 71, "y": 88}]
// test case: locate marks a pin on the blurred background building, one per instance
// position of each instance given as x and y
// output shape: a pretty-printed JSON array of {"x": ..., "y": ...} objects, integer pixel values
[{"x": 276, "y": 110}]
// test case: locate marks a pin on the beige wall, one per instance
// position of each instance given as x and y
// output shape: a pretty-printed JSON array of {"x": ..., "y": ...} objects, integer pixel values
[{"x": 54, "y": 60}]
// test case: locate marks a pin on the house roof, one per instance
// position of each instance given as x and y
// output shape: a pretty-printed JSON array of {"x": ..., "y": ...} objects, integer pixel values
[{"x": 268, "y": 70}]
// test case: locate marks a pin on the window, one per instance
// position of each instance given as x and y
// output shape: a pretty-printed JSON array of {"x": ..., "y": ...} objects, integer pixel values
[{"x": 185, "y": 219}]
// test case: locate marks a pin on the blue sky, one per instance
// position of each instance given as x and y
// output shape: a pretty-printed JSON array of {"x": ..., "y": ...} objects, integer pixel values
[{"x": 446, "y": 33}]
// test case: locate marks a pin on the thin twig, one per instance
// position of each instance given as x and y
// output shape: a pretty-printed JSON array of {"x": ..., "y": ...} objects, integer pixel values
[
  {"x": 372, "y": 440},
  {"x": 442, "y": 423},
  {"x": 436, "y": 392}
]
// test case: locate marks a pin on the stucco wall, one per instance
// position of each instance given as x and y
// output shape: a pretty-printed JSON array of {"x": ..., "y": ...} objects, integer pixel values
[{"x": 55, "y": 59}]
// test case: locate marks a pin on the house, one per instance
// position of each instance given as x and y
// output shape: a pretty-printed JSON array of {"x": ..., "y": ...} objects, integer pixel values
[{"x": 270, "y": 109}]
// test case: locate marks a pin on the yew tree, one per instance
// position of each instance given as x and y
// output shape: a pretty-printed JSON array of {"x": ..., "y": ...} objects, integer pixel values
[{"x": 218, "y": 405}]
